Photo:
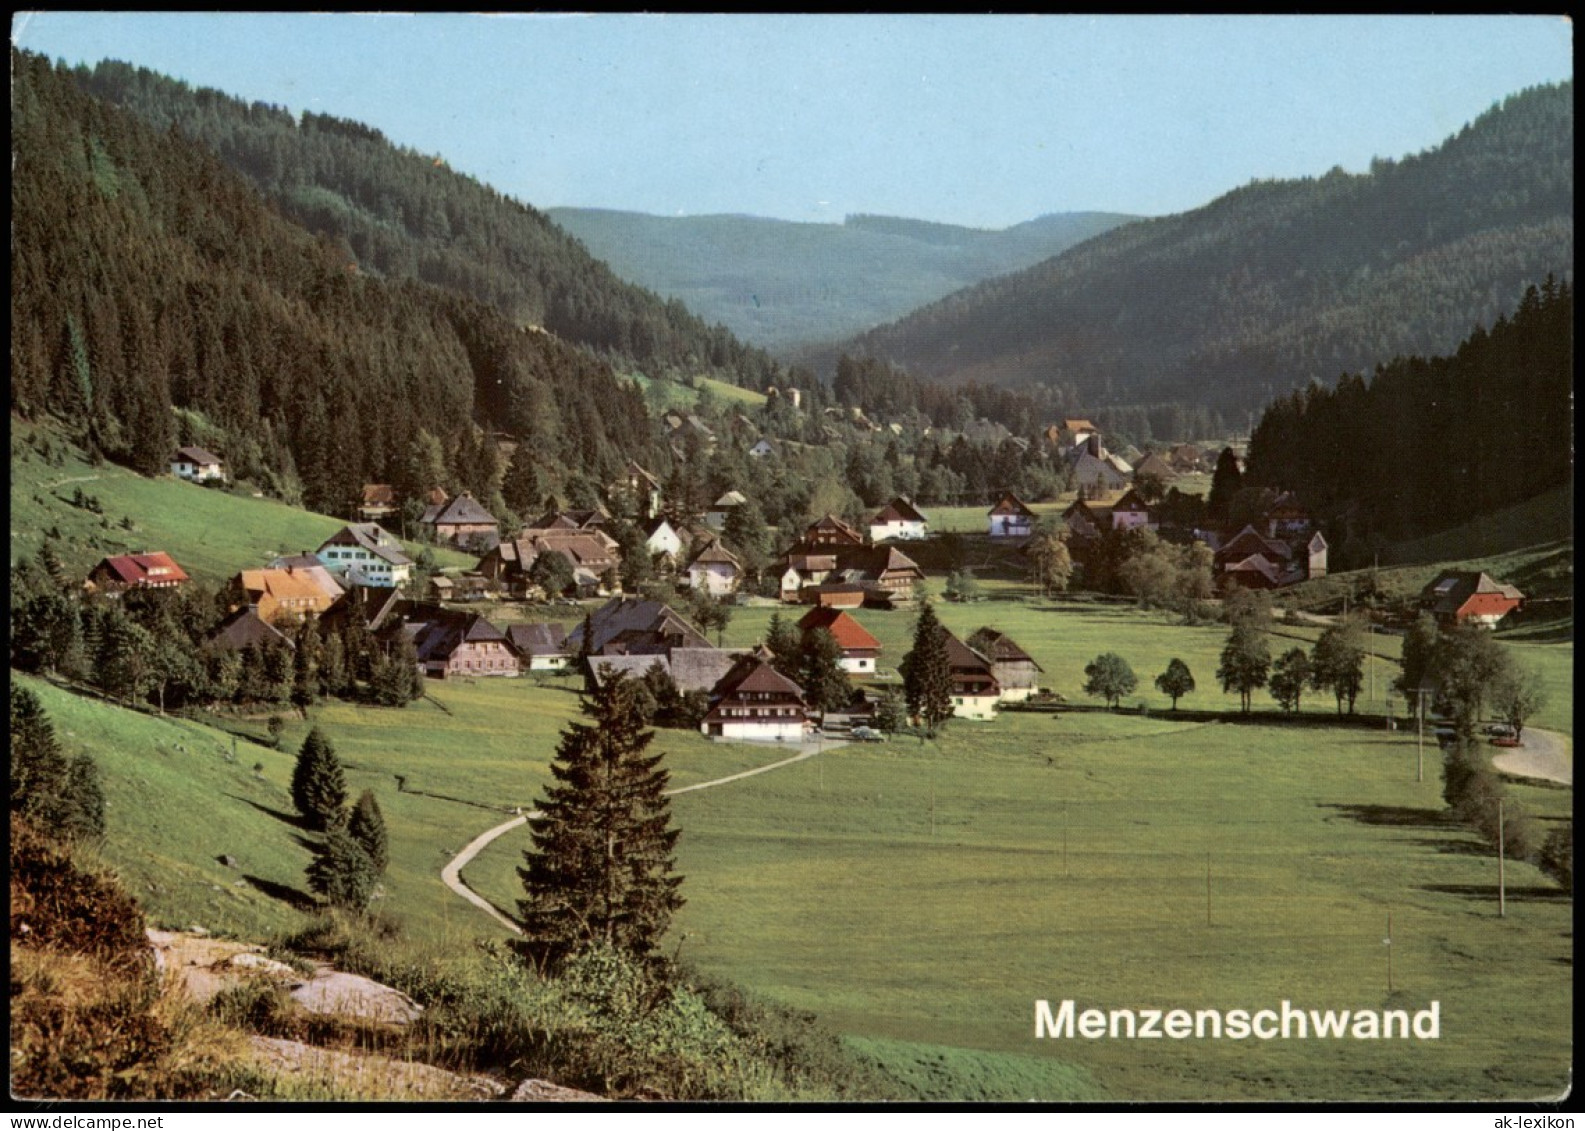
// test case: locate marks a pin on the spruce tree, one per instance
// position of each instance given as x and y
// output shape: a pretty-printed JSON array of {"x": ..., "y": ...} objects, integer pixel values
[
  {"x": 600, "y": 871},
  {"x": 319, "y": 789},
  {"x": 367, "y": 827},
  {"x": 39, "y": 769},
  {"x": 927, "y": 675},
  {"x": 783, "y": 644},
  {"x": 341, "y": 873},
  {"x": 825, "y": 684}
]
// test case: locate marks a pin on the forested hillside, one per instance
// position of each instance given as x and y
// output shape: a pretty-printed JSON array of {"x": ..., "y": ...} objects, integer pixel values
[
  {"x": 1279, "y": 283},
  {"x": 147, "y": 275},
  {"x": 405, "y": 215},
  {"x": 778, "y": 283},
  {"x": 1427, "y": 443}
]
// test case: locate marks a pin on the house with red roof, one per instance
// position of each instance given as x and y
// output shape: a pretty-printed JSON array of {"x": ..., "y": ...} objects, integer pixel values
[
  {"x": 1467, "y": 596},
  {"x": 155, "y": 570},
  {"x": 860, "y": 650}
]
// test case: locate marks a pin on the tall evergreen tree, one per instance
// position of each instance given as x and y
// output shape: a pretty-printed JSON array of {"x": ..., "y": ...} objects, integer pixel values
[
  {"x": 783, "y": 644},
  {"x": 39, "y": 768},
  {"x": 601, "y": 867},
  {"x": 367, "y": 827},
  {"x": 319, "y": 788},
  {"x": 825, "y": 684},
  {"x": 927, "y": 674},
  {"x": 1226, "y": 481},
  {"x": 341, "y": 872}
]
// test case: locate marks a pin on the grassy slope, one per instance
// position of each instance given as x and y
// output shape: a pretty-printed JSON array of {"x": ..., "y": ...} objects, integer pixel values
[
  {"x": 674, "y": 395},
  {"x": 211, "y": 533},
  {"x": 1545, "y": 518}
]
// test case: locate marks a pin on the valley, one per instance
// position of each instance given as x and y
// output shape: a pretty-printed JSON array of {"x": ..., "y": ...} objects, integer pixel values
[{"x": 997, "y": 617}]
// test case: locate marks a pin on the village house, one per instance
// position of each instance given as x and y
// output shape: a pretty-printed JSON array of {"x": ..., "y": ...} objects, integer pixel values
[
  {"x": 540, "y": 647},
  {"x": 755, "y": 702},
  {"x": 1074, "y": 433},
  {"x": 365, "y": 553},
  {"x": 197, "y": 465},
  {"x": 1186, "y": 459},
  {"x": 461, "y": 522},
  {"x": 153, "y": 570},
  {"x": 898, "y": 519},
  {"x": 722, "y": 509},
  {"x": 975, "y": 691},
  {"x": 1087, "y": 519},
  {"x": 714, "y": 570},
  {"x": 1014, "y": 670},
  {"x": 636, "y": 626},
  {"x": 451, "y": 643},
  {"x": 311, "y": 567},
  {"x": 860, "y": 650},
  {"x": 1131, "y": 513},
  {"x": 1156, "y": 467},
  {"x": 1469, "y": 597},
  {"x": 831, "y": 565},
  {"x": 1253, "y": 560},
  {"x": 245, "y": 629},
  {"x": 1097, "y": 472},
  {"x": 592, "y": 555},
  {"x": 689, "y": 669},
  {"x": 379, "y": 501},
  {"x": 460, "y": 587},
  {"x": 662, "y": 538},
  {"x": 1010, "y": 518},
  {"x": 280, "y": 595},
  {"x": 566, "y": 519}
]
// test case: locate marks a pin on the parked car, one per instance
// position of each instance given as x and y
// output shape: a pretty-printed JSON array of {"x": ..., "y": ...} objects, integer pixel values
[
  {"x": 866, "y": 734},
  {"x": 1500, "y": 730},
  {"x": 1508, "y": 741}
]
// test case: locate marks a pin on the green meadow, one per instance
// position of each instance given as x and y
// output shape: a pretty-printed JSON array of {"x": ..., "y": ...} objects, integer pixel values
[{"x": 212, "y": 533}]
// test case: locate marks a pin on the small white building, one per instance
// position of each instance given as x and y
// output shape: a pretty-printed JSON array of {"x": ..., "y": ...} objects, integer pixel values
[
  {"x": 1011, "y": 518},
  {"x": 714, "y": 570},
  {"x": 196, "y": 464},
  {"x": 661, "y": 537},
  {"x": 898, "y": 519},
  {"x": 762, "y": 448},
  {"x": 722, "y": 509}
]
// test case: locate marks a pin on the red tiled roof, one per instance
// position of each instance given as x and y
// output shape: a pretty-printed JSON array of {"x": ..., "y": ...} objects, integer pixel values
[
  {"x": 849, "y": 633},
  {"x": 144, "y": 569}
]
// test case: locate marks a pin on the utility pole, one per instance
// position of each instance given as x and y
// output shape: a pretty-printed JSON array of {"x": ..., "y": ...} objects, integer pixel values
[
  {"x": 1502, "y": 888},
  {"x": 1065, "y": 839},
  {"x": 1388, "y": 941},
  {"x": 1207, "y": 889},
  {"x": 1419, "y": 768}
]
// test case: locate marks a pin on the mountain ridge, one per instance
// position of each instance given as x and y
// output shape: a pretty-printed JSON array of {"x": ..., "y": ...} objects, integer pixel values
[{"x": 1275, "y": 284}]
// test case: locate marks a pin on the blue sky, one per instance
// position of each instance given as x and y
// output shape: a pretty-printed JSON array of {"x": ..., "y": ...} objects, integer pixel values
[{"x": 985, "y": 121}]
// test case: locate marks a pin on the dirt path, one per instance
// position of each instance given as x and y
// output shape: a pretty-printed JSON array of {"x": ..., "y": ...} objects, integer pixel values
[
  {"x": 451, "y": 874},
  {"x": 1544, "y": 755}
]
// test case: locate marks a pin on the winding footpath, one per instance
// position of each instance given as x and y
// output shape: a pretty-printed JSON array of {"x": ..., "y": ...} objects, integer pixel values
[{"x": 451, "y": 874}]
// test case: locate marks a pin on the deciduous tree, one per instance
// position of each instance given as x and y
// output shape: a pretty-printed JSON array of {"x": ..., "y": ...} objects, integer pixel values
[
  {"x": 1177, "y": 681},
  {"x": 1245, "y": 662},
  {"x": 1109, "y": 677},
  {"x": 1289, "y": 675}
]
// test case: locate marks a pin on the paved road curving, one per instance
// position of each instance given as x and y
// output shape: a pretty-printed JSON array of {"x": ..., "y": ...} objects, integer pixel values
[
  {"x": 1544, "y": 755},
  {"x": 451, "y": 874}
]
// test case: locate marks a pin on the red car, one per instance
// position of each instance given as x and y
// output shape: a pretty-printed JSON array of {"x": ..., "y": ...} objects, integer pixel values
[{"x": 1506, "y": 741}]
